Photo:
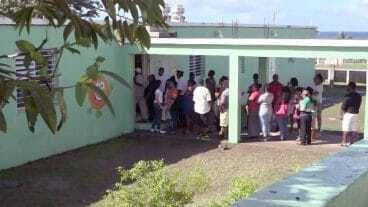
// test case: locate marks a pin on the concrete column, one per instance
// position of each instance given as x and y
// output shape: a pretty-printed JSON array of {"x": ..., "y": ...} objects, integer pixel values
[
  {"x": 234, "y": 100},
  {"x": 347, "y": 76}
]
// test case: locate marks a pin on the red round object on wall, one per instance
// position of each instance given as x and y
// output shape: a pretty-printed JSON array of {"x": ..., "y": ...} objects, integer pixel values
[{"x": 95, "y": 100}]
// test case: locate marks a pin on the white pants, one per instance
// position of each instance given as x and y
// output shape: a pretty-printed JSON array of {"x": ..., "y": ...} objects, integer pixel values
[{"x": 350, "y": 122}]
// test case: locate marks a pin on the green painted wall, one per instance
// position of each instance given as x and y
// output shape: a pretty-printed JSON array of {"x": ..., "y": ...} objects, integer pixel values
[{"x": 19, "y": 145}]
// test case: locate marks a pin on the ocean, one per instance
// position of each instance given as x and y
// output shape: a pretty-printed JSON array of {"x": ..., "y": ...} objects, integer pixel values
[{"x": 349, "y": 35}]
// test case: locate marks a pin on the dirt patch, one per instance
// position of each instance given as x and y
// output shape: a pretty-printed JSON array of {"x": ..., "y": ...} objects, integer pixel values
[{"x": 81, "y": 177}]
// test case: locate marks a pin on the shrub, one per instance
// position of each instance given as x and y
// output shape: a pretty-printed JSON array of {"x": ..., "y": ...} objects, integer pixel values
[
  {"x": 148, "y": 184},
  {"x": 240, "y": 189}
]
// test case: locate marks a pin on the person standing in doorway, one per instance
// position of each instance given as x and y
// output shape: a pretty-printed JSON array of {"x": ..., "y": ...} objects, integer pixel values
[
  {"x": 211, "y": 83},
  {"x": 255, "y": 82},
  {"x": 224, "y": 110},
  {"x": 202, "y": 107},
  {"x": 149, "y": 94},
  {"x": 350, "y": 115},
  {"x": 276, "y": 89},
  {"x": 140, "y": 101},
  {"x": 158, "y": 106},
  {"x": 318, "y": 97},
  {"x": 162, "y": 77}
]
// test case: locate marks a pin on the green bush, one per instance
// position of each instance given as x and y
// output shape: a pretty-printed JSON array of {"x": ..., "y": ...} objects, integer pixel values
[
  {"x": 148, "y": 184},
  {"x": 240, "y": 189}
]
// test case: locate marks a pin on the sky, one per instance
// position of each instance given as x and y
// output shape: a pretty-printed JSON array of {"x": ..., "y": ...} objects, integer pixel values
[{"x": 327, "y": 15}]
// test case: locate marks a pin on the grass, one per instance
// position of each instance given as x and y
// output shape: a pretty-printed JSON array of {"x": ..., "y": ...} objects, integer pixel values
[
  {"x": 331, "y": 113},
  {"x": 81, "y": 177}
]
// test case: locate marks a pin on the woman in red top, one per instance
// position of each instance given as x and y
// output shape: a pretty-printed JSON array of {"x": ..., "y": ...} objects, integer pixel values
[
  {"x": 276, "y": 89},
  {"x": 254, "y": 125},
  {"x": 171, "y": 104}
]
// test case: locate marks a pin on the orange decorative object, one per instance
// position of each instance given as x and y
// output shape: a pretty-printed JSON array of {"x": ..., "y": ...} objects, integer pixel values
[{"x": 94, "y": 99}]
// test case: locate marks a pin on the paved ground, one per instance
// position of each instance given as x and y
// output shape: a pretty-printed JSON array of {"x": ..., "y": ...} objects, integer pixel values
[{"x": 81, "y": 177}]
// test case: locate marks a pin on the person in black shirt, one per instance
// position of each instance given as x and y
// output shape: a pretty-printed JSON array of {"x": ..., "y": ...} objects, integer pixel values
[
  {"x": 255, "y": 82},
  {"x": 350, "y": 118}
]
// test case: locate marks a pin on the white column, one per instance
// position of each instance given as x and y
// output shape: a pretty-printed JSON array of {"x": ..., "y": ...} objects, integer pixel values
[{"x": 234, "y": 100}]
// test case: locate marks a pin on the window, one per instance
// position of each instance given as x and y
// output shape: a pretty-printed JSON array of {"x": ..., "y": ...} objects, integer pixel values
[
  {"x": 197, "y": 65},
  {"x": 34, "y": 71}
]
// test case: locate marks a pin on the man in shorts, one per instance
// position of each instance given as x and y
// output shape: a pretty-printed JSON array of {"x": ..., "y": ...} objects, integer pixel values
[{"x": 350, "y": 115}]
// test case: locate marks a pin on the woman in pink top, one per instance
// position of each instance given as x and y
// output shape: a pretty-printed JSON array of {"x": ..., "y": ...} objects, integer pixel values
[
  {"x": 254, "y": 125},
  {"x": 282, "y": 115}
]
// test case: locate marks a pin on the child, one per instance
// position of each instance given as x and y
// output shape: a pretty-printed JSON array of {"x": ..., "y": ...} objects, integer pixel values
[
  {"x": 306, "y": 107},
  {"x": 282, "y": 115},
  {"x": 157, "y": 106},
  {"x": 295, "y": 112}
]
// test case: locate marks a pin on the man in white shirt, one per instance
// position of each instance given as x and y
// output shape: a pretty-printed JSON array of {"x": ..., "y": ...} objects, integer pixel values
[
  {"x": 162, "y": 77},
  {"x": 202, "y": 106},
  {"x": 182, "y": 84}
]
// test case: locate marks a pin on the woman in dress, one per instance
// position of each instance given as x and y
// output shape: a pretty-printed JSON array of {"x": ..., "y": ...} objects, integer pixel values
[{"x": 254, "y": 125}]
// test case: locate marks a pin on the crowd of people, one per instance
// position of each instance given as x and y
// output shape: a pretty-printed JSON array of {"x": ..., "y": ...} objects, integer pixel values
[{"x": 201, "y": 106}]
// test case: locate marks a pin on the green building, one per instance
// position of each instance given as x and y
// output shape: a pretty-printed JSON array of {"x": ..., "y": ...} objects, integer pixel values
[{"x": 19, "y": 146}]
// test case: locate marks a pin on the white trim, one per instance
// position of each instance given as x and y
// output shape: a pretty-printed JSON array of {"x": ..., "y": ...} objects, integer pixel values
[
  {"x": 262, "y": 42},
  {"x": 240, "y": 25},
  {"x": 35, "y": 21}
]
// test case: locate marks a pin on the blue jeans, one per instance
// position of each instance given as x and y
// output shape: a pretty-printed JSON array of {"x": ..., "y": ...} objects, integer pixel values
[
  {"x": 282, "y": 122},
  {"x": 156, "y": 124},
  {"x": 266, "y": 123}
]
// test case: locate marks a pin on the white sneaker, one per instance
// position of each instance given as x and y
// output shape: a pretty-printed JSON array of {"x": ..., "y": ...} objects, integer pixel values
[{"x": 162, "y": 132}]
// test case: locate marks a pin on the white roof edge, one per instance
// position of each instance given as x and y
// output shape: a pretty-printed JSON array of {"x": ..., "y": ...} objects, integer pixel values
[
  {"x": 262, "y": 42},
  {"x": 35, "y": 21},
  {"x": 209, "y": 24}
]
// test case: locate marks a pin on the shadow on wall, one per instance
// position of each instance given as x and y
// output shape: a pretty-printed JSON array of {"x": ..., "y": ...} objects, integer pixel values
[{"x": 336, "y": 181}]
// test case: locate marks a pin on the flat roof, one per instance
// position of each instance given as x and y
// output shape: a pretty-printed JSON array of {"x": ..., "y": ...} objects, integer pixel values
[
  {"x": 261, "y": 42},
  {"x": 206, "y": 24},
  {"x": 37, "y": 21}
]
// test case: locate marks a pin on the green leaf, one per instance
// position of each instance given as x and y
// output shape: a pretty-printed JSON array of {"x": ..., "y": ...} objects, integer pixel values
[
  {"x": 73, "y": 50},
  {"x": 100, "y": 59},
  {"x": 68, "y": 30},
  {"x": 143, "y": 36},
  {"x": 80, "y": 93},
  {"x": 45, "y": 104},
  {"x": 25, "y": 46},
  {"x": 3, "y": 125},
  {"x": 31, "y": 110},
  {"x": 92, "y": 72},
  {"x": 117, "y": 77},
  {"x": 102, "y": 95},
  {"x": 63, "y": 108}
]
